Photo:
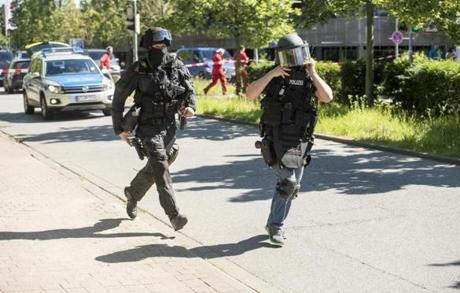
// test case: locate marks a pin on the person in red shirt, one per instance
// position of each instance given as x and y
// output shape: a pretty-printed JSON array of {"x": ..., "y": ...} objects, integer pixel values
[
  {"x": 241, "y": 72},
  {"x": 105, "y": 59},
  {"x": 218, "y": 72}
]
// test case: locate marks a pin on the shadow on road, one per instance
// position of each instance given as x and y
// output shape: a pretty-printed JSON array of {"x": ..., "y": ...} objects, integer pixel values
[
  {"x": 354, "y": 173},
  {"x": 73, "y": 134},
  {"x": 162, "y": 250},
  {"x": 20, "y": 117},
  {"x": 215, "y": 130},
  {"x": 85, "y": 232},
  {"x": 456, "y": 285}
]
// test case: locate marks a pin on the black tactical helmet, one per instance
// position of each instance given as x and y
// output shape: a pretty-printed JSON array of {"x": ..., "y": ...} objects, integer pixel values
[
  {"x": 292, "y": 50},
  {"x": 290, "y": 41},
  {"x": 156, "y": 35}
]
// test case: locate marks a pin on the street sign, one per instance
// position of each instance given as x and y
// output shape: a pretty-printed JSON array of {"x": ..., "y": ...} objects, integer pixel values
[{"x": 397, "y": 37}]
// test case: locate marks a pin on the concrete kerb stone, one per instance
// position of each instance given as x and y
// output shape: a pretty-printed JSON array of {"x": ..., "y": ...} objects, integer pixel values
[
  {"x": 349, "y": 141},
  {"x": 224, "y": 265}
]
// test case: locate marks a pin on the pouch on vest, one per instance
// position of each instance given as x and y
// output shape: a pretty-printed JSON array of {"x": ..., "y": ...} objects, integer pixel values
[
  {"x": 271, "y": 113},
  {"x": 294, "y": 157}
]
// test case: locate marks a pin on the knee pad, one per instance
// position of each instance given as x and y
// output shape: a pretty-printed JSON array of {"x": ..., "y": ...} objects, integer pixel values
[{"x": 288, "y": 188}]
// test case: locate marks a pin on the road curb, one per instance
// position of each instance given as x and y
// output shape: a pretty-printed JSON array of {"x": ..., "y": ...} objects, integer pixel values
[{"x": 370, "y": 145}]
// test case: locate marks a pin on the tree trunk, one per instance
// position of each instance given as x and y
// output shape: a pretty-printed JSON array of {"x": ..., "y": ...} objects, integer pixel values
[{"x": 370, "y": 52}]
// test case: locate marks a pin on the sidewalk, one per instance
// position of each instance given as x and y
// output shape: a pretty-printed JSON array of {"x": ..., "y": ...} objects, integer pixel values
[{"x": 60, "y": 233}]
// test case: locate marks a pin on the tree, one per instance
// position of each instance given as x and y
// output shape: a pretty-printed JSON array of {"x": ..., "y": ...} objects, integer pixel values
[
  {"x": 69, "y": 23},
  {"x": 105, "y": 22},
  {"x": 312, "y": 12},
  {"x": 152, "y": 12},
  {"x": 32, "y": 18},
  {"x": 251, "y": 22},
  {"x": 443, "y": 14}
]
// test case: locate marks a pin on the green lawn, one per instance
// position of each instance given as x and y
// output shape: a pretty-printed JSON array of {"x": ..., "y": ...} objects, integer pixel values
[{"x": 439, "y": 136}]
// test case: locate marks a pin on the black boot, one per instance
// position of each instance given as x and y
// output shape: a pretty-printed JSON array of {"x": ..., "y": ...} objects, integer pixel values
[
  {"x": 131, "y": 204},
  {"x": 178, "y": 222}
]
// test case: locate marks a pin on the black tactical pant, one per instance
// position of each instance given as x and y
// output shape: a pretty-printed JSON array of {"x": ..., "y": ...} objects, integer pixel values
[{"x": 156, "y": 170}]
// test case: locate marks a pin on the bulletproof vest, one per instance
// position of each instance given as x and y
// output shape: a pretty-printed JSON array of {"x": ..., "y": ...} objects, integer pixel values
[
  {"x": 289, "y": 111},
  {"x": 157, "y": 93}
]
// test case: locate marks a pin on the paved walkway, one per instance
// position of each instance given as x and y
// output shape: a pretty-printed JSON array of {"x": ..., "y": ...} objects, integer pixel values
[{"x": 59, "y": 233}]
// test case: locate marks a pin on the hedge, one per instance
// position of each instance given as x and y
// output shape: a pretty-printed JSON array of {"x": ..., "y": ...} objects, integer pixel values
[{"x": 424, "y": 87}]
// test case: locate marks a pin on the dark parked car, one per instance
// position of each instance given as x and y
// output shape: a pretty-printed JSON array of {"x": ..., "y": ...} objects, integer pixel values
[
  {"x": 5, "y": 60},
  {"x": 13, "y": 80},
  {"x": 199, "y": 61}
]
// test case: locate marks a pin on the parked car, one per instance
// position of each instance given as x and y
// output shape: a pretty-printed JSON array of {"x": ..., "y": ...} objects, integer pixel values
[
  {"x": 37, "y": 47},
  {"x": 66, "y": 81},
  {"x": 16, "y": 72},
  {"x": 96, "y": 55},
  {"x": 5, "y": 60},
  {"x": 199, "y": 61}
]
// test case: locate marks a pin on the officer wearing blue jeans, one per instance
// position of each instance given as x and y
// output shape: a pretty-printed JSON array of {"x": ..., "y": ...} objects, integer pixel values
[{"x": 287, "y": 123}]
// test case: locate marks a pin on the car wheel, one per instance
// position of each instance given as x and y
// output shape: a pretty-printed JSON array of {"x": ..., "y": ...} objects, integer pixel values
[
  {"x": 27, "y": 108},
  {"x": 47, "y": 113},
  {"x": 107, "y": 112}
]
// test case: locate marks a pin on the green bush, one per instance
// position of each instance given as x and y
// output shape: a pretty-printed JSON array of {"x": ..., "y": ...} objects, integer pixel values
[
  {"x": 353, "y": 77},
  {"x": 394, "y": 74},
  {"x": 330, "y": 72},
  {"x": 431, "y": 88},
  {"x": 256, "y": 71}
]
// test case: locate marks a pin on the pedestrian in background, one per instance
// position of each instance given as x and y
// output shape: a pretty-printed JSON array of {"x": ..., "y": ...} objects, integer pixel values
[
  {"x": 105, "y": 59},
  {"x": 218, "y": 72},
  {"x": 241, "y": 72},
  {"x": 451, "y": 54},
  {"x": 287, "y": 124}
]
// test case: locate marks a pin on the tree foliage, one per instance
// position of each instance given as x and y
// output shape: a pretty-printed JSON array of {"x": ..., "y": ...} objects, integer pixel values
[
  {"x": 32, "y": 18},
  {"x": 152, "y": 12},
  {"x": 105, "y": 22},
  {"x": 312, "y": 12},
  {"x": 252, "y": 22}
]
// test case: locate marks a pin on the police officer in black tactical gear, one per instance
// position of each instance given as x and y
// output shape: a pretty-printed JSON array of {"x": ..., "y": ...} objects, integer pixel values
[
  {"x": 162, "y": 87},
  {"x": 288, "y": 120}
]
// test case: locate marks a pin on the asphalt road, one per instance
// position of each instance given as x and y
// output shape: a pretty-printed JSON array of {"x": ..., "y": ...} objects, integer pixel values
[{"x": 365, "y": 220}]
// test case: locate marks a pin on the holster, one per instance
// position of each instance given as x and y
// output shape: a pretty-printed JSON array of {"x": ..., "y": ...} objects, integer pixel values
[
  {"x": 267, "y": 151},
  {"x": 130, "y": 119},
  {"x": 136, "y": 142}
]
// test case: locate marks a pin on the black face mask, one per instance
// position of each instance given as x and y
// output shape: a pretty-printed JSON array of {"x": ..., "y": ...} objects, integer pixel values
[{"x": 156, "y": 56}]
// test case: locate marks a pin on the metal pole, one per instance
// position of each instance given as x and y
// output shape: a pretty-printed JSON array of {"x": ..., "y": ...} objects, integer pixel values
[
  {"x": 135, "y": 47},
  {"x": 411, "y": 52},
  {"x": 396, "y": 43}
]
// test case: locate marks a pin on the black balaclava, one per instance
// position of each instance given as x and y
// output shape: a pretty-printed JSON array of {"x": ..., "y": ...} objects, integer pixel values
[{"x": 156, "y": 56}]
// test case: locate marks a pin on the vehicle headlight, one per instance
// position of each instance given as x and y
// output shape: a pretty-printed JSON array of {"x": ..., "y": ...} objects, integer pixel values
[
  {"x": 54, "y": 89},
  {"x": 108, "y": 86}
]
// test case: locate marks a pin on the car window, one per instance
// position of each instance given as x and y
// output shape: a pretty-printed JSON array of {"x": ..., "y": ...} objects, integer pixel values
[
  {"x": 207, "y": 54},
  {"x": 5, "y": 58},
  {"x": 186, "y": 55},
  {"x": 70, "y": 67},
  {"x": 96, "y": 55},
  {"x": 21, "y": 64}
]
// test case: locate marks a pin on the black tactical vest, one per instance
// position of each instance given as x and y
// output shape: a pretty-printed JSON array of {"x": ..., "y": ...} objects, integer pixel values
[
  {"x": 289, "y": 116},
  {"x": 157, "y": 93}
]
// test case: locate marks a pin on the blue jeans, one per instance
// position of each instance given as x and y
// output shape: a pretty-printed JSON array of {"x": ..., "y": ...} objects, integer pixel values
[{"x": 280, "y": 206}]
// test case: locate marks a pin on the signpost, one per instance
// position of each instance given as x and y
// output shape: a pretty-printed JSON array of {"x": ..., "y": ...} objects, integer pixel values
[{"x": 397, "y": 38}]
